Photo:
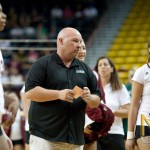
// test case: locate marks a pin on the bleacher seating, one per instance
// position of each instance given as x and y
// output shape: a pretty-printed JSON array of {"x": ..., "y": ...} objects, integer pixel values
[{"x": 129, "y": 46}]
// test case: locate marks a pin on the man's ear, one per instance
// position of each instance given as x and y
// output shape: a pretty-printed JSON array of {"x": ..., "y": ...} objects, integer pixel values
[{"x": 60, "y": 41}]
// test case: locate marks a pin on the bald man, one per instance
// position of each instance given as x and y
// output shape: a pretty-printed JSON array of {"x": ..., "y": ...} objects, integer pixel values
[{"x": 56, "y": 114}]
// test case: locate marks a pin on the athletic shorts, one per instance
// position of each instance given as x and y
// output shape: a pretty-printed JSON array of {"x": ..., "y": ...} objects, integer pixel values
[
  {"x": 138, "y": 133},
  {"x": 16, "y": 142}
]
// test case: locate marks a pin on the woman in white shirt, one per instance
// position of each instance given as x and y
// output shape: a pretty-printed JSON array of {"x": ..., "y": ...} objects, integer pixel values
[
  {"x": 117, "y": 99},
  {"x": 140, "y": 107}
]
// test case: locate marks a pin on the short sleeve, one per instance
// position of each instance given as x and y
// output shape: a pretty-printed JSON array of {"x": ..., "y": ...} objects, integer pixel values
[{"x": 139, "y": 75}]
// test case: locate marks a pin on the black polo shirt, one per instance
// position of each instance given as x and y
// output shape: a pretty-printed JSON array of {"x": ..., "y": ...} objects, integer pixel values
[{"x": 58, "y": 120}]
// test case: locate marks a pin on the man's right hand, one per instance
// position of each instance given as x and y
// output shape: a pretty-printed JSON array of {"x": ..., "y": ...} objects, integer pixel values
[{"x": 67, "y": 95}]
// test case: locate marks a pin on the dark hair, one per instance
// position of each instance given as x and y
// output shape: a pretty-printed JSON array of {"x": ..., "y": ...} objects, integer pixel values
[{"x": 114, "y": 79}]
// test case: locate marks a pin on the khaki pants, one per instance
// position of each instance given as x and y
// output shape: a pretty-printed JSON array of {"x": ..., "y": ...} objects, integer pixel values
[
  {"x": 92, "y": 146},
  {"x": 37, "y": 143}
]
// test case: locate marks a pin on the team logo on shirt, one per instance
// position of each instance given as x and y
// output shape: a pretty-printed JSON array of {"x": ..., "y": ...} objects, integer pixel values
[{"x": 80, "y": 71}]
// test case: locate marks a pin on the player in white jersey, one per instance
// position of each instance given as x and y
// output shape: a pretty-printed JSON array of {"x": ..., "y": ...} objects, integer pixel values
[
  {"x": 139, "y": 114},
  {"x": 12, "y": 104}
]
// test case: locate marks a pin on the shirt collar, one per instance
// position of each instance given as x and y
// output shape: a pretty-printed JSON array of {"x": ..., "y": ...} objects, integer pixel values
[{"x": 75, "y": 62}]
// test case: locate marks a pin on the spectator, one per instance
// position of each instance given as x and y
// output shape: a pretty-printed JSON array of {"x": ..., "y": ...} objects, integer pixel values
[
  {"x": 15, "y": 77},
  {"x": 79, "y": 17},
  {"x": 41, "y": 31},
  {"x": 68, "y": 16},
  {"x": 56, "y": 16},
  {"x": 90, "y": 12}
]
